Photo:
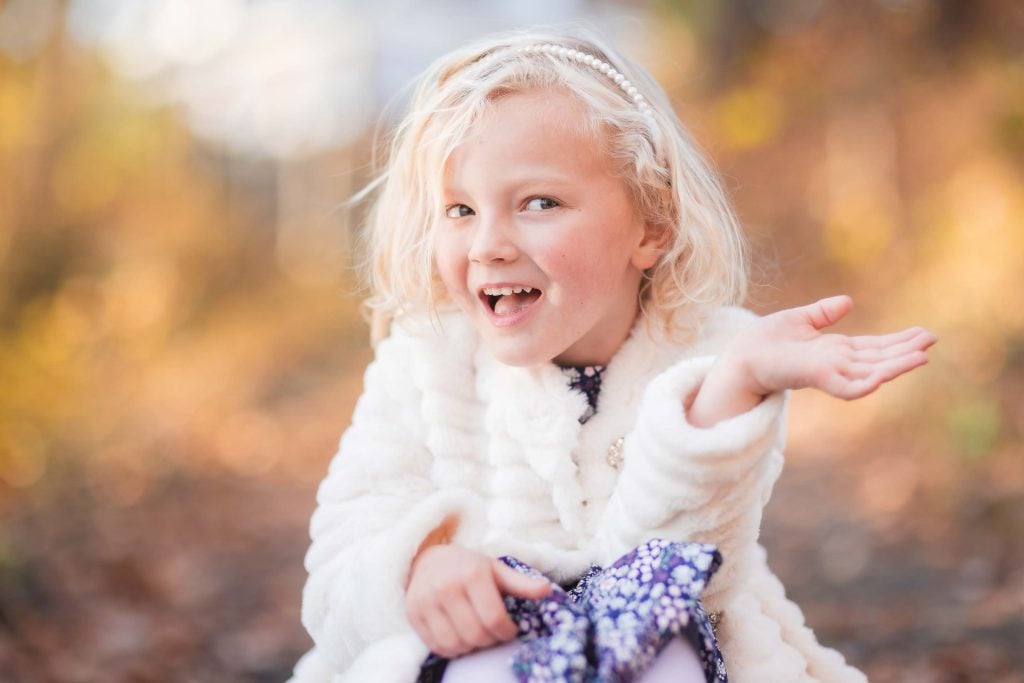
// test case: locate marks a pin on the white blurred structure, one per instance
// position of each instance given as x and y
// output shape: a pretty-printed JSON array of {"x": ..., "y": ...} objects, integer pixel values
[
  {"x": 290, "y": 78},
  {"x": 25, "y": 26}
]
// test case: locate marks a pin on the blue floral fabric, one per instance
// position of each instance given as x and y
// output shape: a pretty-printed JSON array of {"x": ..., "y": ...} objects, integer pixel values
[
  {"x": 585, "y": 379},
  {"x": 611, "y": 625}
]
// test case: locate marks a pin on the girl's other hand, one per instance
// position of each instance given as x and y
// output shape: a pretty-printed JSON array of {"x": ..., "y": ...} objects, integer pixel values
[
  {"x": 788, "y": 350},
  {"x": 454, "y": 599}
]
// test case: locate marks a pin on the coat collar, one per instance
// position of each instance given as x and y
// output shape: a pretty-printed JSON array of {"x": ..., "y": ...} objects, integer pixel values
[{"x": 534, "y": 408}]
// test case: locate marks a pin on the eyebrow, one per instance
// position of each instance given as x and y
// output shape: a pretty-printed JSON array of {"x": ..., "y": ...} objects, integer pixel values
[{"x": 520, "y": 180}]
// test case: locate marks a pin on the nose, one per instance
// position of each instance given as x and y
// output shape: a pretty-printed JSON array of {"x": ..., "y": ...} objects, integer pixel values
[{"x": 493, "y": 241}]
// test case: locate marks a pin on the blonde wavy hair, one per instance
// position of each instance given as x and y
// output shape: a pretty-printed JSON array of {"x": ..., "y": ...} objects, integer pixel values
[{"x": 704, "y": 264}]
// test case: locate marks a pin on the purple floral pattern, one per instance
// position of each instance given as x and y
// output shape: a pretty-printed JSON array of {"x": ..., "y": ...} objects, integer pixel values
[{"x": 613, "y": 624}]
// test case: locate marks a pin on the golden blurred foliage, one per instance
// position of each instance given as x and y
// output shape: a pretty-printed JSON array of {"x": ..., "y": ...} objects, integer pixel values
[{"x": 180, "y": 344}]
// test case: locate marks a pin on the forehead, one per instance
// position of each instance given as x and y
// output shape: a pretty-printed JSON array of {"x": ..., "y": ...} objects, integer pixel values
[{"x": 528, "y": 131}]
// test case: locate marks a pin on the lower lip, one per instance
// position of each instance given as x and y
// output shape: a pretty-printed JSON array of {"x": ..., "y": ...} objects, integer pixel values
[{"x": 512, "y": 319}]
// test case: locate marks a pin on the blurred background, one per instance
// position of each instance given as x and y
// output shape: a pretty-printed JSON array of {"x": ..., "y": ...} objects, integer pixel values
[{"x": 180, "y": 341}]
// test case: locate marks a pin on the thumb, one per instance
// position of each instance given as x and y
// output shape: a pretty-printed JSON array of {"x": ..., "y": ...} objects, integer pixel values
[
  {"x": 511, "y": 582},
  {"x": 829, "y": 311}
]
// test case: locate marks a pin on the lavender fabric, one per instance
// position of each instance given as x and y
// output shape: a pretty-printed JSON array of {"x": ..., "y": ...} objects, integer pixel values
[{"x": 612, "y": 624}]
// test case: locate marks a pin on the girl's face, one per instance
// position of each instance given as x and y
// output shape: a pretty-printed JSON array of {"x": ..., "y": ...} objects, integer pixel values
[{"x": 540, "y": 244}]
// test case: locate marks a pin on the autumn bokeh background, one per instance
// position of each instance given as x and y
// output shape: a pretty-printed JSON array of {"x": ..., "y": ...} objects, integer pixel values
[{"x": 180, "y": 342}]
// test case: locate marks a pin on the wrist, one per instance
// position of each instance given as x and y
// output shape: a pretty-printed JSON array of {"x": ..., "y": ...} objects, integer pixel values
[
  {"x": 728, "y": 389},
  {"x": 737, "y": 367}
]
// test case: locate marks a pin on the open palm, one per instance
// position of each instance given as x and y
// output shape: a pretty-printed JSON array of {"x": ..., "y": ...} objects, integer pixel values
[{"x": 788, "y": 350}]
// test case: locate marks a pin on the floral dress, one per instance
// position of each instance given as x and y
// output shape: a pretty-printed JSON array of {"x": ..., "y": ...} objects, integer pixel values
[{"x": 612, "y": 623}]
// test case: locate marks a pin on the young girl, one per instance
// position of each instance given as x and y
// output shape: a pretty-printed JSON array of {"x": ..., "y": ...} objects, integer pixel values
[{"x": 569, "y": 425}]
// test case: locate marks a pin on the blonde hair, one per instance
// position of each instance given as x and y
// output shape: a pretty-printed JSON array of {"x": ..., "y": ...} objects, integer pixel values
[{"x": 704, "y": 264}]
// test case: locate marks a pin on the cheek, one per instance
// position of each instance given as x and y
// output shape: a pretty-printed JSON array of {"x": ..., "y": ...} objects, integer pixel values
[
  {"x": 592, "y": 272},
  {"x": 580, "y": 280},
  {"x": 450, "y": 265}
]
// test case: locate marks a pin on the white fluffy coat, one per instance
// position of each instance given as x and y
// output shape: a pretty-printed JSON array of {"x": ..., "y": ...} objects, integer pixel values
[{"x": 443, "y": 430}]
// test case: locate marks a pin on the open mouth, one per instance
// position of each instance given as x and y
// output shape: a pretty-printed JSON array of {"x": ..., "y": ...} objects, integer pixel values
[{"x": 509, "y": 300}]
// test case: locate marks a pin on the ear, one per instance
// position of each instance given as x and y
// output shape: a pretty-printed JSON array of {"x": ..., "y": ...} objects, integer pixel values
[{"x": 652, "y": 245}]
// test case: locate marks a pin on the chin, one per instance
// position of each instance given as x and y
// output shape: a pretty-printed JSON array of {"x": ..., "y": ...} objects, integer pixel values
[
  {"x": 517, "y": 355},
  {"x": 520, "y": 360}
]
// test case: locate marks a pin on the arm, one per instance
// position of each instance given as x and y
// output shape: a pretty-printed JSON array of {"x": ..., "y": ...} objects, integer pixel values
[
  {"x": 705, "y": 474},
  {"x": 375, "y": 509},
  {"x": 681, "y": 481}
]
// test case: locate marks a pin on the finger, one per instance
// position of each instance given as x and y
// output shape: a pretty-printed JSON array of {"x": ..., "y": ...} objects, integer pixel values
[
  {"x": 825, "y": 312},
  {"x": 856, "y": 370},
  {"x": 490, "y": 611},
  {"x": 418, "y": 621},
  {"x": 918, "y": 342},
  {"x": 443, "y": 638},
  {"x": 842, "y": 386},
  {"x": 880, "y": 340},
  {"x": 463, "y": 617},
  {"x": 511, "y": 582},
  {"x": 892, "y": 369},
  {"x": 851, "y": 386},
  {"x": 874, "y": 368}
]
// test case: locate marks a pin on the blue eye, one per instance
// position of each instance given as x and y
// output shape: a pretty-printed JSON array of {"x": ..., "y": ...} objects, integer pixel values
[
  {"x": 457, "y": 211},
  {"x": 541, "y": 204}
]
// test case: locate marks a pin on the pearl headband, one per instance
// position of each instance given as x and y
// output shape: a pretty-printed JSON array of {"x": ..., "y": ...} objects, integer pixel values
[{"x": 604, "y": 67}]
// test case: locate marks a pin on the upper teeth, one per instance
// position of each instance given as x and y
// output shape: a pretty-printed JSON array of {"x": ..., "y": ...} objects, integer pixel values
[{"x": 505, "y": 291}]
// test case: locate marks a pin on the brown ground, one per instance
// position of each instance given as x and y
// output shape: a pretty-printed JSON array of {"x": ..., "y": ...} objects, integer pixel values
[{"x": 200, "y": 579}]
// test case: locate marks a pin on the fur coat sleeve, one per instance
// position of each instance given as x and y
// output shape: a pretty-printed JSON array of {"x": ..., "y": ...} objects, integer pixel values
[
  {"x": 378, "y": 503},
  {"x": 711, "y": 485}
]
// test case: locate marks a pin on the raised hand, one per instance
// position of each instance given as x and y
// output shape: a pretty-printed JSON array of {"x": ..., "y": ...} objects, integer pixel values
[
  {"x": 454, "y": 599},
  {"x": 788, "y": 350}
]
